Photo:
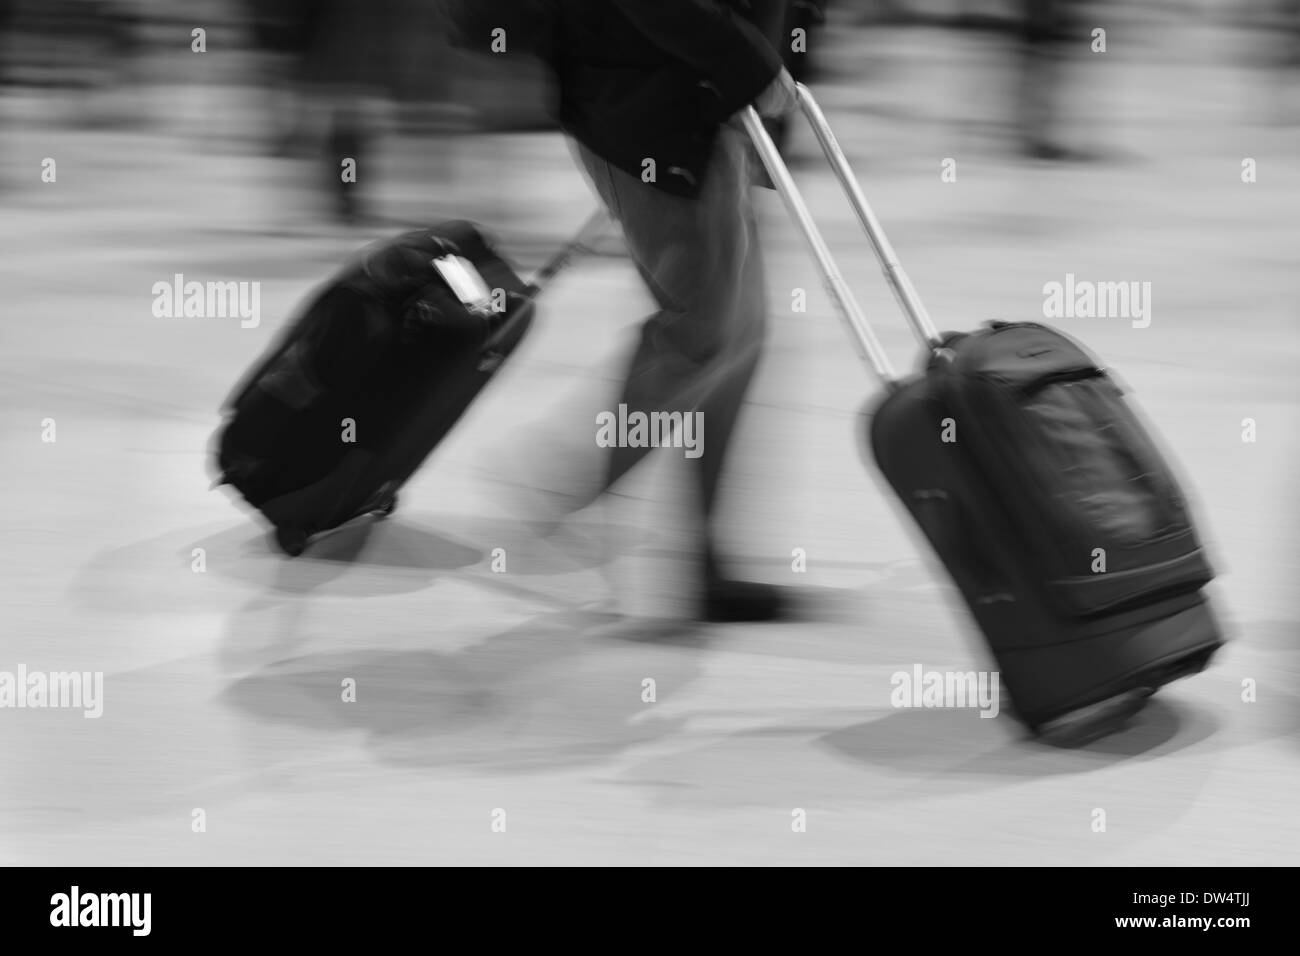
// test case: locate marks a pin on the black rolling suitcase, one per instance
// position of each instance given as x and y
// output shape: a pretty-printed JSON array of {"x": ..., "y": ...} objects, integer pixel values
[
  {"x": 379, "y": 366},
  {"x": 1036, "y": 483}
]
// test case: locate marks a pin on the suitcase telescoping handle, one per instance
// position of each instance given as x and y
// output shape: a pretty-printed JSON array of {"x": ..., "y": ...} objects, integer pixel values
[
  {"x": 863, "y": 335},
  {"x": 591, "y": 230},
  {"x": 490, "y": 353}
]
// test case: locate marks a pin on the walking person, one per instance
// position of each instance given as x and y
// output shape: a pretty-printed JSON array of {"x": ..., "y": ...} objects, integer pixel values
[{"x": 648, "y": 93}]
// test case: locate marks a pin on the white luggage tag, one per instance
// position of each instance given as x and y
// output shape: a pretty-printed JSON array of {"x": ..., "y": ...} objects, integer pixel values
[{"x": 465, "y": 283}]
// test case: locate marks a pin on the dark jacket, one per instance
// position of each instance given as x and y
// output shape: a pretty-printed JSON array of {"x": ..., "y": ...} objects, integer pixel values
[{"x": 654, "y": 79}]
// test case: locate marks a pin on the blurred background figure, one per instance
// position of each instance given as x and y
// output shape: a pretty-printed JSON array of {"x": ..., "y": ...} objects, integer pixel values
[
  {"x": 88, "y": 47},
  {"x": 298, "y": 86},
  {"x": 1050, "y": 32},
  {"x": 280, "y": 33},
  {"x": 339, "y": 76},
  {"x": 346, "y": 72},
  {"x": 1276, "y": 47}
]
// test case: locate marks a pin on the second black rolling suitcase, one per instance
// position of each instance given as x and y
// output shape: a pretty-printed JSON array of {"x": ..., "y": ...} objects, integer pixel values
[
  {"x": 1038, "y": 487},
  {"x": 380, "y": 365}
]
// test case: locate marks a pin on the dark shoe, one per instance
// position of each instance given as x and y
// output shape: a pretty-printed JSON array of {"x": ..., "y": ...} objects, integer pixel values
[
  {"x": 735, "y": 601},
  {"x": 1053, "y": 153},
  {"x": 347, "y": 210},
  {"x": 727, "y": 600}
]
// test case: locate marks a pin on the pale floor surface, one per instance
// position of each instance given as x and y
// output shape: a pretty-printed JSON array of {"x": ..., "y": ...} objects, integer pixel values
[{"x": 521, "y": 691}]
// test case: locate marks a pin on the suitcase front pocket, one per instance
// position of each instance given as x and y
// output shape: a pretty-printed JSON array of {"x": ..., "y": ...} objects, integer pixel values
[
  {"x": 1092, "y": 496},
  {"x": 1082, "y": 452}
]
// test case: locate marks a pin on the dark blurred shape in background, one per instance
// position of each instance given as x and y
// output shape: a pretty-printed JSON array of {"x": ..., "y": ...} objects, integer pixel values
[{"x": 301, "y": 85}]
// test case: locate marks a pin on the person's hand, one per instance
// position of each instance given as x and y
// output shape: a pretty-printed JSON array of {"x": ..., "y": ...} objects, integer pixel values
[{"x": 779, "y": 98}]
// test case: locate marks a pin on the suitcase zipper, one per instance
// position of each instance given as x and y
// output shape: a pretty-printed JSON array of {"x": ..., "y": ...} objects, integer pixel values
[
  {"x": 1155, "y": 595},
  {"x": 1063, "y": 377}
]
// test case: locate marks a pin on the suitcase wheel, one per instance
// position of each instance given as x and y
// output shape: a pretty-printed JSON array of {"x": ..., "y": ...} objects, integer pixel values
[
  {"x": 1088, "y": 724},
  {"x": 292, "y": 541},
  {"x": 381, "y": 504}
]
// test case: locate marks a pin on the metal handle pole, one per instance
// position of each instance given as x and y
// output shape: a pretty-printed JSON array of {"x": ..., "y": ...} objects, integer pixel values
[
  {"x": 863, "y": 335},
  {"x": 490, "y": 354},
  {"x": 595, "y": 226},
  {"x": 901, "y": 285}
]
